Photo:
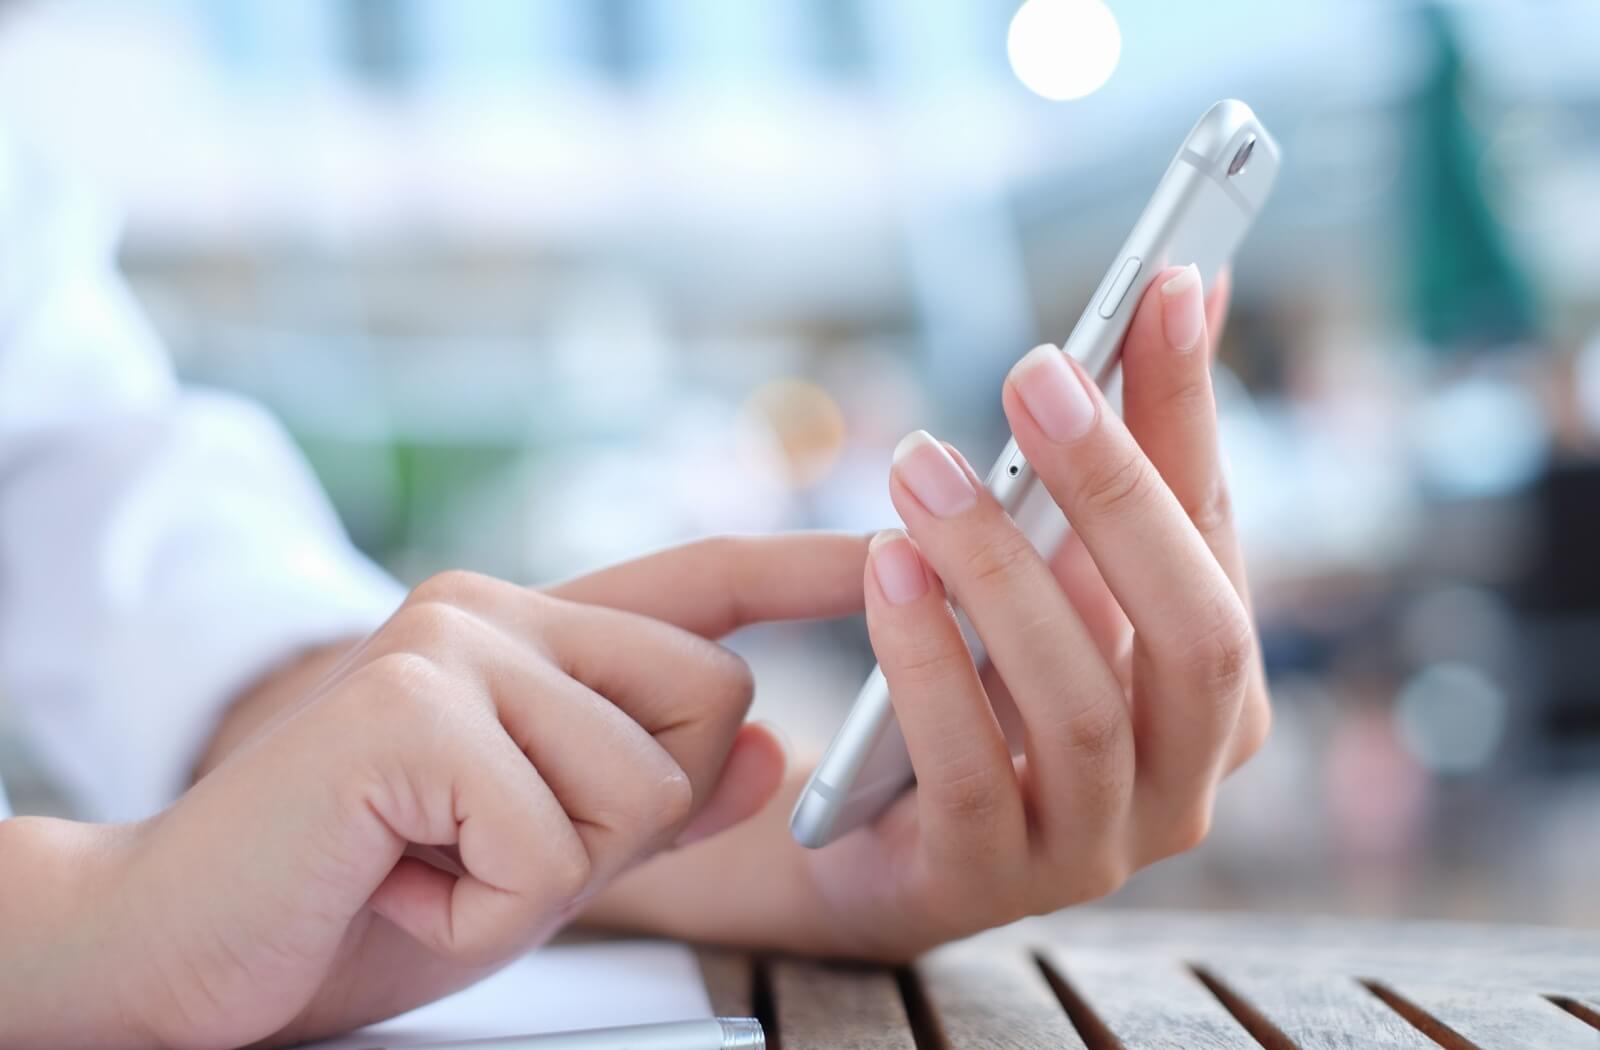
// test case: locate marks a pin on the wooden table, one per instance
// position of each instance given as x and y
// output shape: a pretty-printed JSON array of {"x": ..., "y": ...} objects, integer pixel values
[{"x": 1102, "y": 979}]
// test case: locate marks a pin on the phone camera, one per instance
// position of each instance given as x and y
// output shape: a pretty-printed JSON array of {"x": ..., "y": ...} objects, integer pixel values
[
  {"x": 1015, "y": 470},
  {"x": 1241, "y": 158}
]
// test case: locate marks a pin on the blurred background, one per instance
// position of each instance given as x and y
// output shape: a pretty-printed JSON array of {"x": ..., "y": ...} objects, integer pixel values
[{"x": 541, "y": 284}]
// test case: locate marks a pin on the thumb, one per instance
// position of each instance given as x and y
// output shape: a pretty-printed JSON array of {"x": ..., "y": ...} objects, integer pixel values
[
  {"x": 718, "y": 585},
  {"x": 752, "y": 774}
]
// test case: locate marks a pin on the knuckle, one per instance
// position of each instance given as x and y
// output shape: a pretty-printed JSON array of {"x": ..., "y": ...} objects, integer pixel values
[
  {"x": 569, "y": 872},
  {"x": 733, "y": 674},
  {"x": 1222, "y": 655},
  {"x": 1118, "y": 488},
  {"x": 974, "y": 797},
  {"x": 1094, "y": 733},
  {"x": 998, "y": 562},
  {"x": 649, "y": 791},
  {"x": 1188, "y": 397},
  {"x": 428, "y": 623},
  {"x": 403, "y": 675},
  {"x": 671, "y": 801},
  {"x": 1212, "y": 509},
  {"x": 714, "y": 681},
  {"x": 924, "y": 659},
  {"x": 391, "y": 695},
  {"x": 448, "y": 587}
]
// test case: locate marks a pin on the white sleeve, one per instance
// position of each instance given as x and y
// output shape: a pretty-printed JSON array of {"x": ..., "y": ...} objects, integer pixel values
[{"x": 160, "y": 549}]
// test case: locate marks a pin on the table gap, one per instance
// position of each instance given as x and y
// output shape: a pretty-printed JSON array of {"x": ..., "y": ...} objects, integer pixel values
[
  {"x": 1417, "y": 1017},
  {"x": 926, "y": 1031},
  {"x": 1576, "y": 1009},
  {"x": 1095, "y": 1034},
  {"x": 762, "y": 1003},
  {"x": 1252, "y": 1020}
]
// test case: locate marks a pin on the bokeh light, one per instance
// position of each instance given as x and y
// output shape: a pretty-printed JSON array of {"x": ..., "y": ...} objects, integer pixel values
[
  {"x": 1452, "y": 717},
  {"x": 1064, "y": 49},
  {"x": 805, "y": 423}
]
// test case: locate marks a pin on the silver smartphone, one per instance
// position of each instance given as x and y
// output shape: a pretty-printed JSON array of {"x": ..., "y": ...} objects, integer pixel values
[{"x": 1199, "y": 214}]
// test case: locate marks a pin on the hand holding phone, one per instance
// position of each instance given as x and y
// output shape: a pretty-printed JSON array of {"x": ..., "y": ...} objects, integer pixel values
[
  {"x": 1123, "y": 668},
  {"x": 1200, "y": 212}
]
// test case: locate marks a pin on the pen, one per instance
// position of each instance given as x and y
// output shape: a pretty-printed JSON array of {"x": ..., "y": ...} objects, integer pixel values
[{"x": 712, "y": 1033}]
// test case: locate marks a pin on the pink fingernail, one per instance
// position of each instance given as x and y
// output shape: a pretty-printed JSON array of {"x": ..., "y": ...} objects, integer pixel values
[
  {"x": 932, "y": 476},
  {"x": 1053, "y": 394},
  {"x": 898, "y": 567},
  {"x": 1183, "y": 309}
]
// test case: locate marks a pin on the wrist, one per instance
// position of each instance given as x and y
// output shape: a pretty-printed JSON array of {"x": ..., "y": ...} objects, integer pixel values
[
  {"x": 65, "y": 951},
  {"x": 272, "y": 696}
]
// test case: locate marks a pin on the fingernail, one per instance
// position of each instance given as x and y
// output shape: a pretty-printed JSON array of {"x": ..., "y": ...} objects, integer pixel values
[
  {"x": 898, "y": 567},
  {"x": 932, "y": 476},
  {"x": 1183, "y": 309},
  {"x": 1053, "y": 394}
]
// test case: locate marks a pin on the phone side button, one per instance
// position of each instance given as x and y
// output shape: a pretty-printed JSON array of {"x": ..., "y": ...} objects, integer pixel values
[{"x": 1119, "y": 287}]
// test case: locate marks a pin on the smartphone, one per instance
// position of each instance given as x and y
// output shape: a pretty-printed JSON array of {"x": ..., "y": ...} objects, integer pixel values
[{"x": 1199, "y": 214}]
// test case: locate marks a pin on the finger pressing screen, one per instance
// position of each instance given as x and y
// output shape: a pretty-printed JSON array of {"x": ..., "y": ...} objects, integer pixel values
[{"x": 717, "y": 585}]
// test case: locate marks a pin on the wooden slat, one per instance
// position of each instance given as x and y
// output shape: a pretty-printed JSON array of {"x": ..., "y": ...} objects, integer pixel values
[
  {"x": 1542, "y": 960},
  {"x": 1316, "y": 1011},
  {"x": 822, "y": 1007},
  {"x": 1149, "y": 1002},
  {"x": 1497, "y": 1019},
  {"x": 1295, "y": 982},
  {"x": 992, "y": 1000},
  {"x": 730, "y": 981}
]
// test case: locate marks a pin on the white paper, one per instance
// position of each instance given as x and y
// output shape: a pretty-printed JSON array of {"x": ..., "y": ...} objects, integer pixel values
[{"x": 553, "y": 990}]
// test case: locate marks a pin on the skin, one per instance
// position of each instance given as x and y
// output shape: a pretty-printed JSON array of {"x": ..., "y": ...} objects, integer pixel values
[
  {"x": 451, "y": 792},
  {"x": 380, "y": 825},
  {"x": 1125, "y": 668}
]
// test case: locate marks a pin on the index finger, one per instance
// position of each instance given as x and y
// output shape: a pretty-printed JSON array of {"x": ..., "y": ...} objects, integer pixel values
[{"x": 715, "y": 586}]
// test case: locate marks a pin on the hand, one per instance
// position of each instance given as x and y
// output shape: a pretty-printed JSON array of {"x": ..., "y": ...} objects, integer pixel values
[
  {"x": 449, "y": 795},
  {"x": 1126, "y": 667}
]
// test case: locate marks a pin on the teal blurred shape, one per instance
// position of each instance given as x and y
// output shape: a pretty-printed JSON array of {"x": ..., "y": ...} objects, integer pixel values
[{"x": 1467, "y": 290}]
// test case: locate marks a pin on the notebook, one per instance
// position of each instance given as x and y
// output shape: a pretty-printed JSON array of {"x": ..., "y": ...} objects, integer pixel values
[{"x": 551, "y": 990}]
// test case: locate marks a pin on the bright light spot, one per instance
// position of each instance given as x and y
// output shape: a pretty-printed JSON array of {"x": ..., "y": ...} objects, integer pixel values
[
  {"x": 1451, "y": 717},
  {"x": 1064, "y": 49}
]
